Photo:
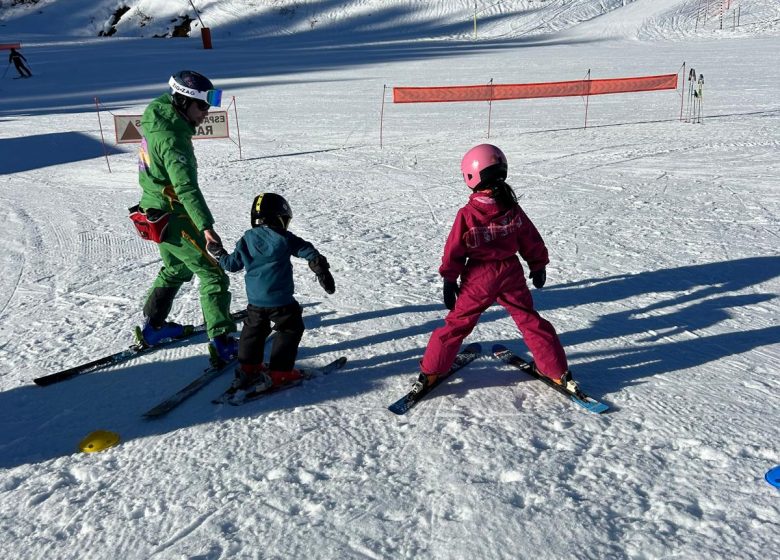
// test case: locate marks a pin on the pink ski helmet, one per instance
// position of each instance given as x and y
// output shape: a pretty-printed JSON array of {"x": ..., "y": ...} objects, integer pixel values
[{"x": 483, "y": 164}]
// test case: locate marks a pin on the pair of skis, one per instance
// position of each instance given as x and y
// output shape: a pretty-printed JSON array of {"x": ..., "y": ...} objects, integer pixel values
[
  {"x": 236, "y": 396},
  {"x": 133, "y": 351},
  {"x": 471, "y": 353},
  {"x": 232, "y": 396},
  {"x": 212, "y": 372}
]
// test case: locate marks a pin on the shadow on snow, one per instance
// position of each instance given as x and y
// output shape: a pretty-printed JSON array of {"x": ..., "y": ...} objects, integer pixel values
[
  {"x": 45, "y": 423},
  {"x": 43, "y": 150}
]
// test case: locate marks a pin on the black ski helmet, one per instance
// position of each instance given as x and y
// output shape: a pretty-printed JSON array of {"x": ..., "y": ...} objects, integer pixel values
[
  {"x": 187, "y": 86},
  {"x": 272, "y": 210}
]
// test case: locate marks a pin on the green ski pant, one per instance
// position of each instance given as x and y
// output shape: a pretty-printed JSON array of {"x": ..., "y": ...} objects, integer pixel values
[{"x": 184, "y": 255}]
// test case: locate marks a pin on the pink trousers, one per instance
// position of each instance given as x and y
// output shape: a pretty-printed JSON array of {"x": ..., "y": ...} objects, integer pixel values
[{"x": 482, "y": 284}]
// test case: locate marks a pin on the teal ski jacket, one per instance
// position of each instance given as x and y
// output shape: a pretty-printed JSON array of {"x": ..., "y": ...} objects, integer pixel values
[{"x": 265, "y": 254}]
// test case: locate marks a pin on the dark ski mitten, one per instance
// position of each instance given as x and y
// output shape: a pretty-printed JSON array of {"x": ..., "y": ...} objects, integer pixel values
[
  {"x": 538, "y": 277},
  {"x": 216, "y": 250},
  {"x": 321, "y": 268},
  {"x": 451, "y": 291}
]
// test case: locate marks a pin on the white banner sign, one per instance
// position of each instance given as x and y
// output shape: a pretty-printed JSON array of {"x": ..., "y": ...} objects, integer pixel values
[{"x": 128, "y": 127}]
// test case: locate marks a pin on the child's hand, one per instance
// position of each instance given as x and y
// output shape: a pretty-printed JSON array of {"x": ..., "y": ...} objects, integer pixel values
[
  {"x": 538, "y": 277},
  {"x": 216, "y": 250},
  {"x": 451, "y": 291},
  {"x": 321, "y": 268}
]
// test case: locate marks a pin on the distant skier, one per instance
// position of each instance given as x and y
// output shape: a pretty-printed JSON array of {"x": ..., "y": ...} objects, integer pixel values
[
  {"x": 265, "y": 251},
  {"x": 173, "y": 212},
  {"x": 482, "y": 250},
  {"x": 18, "y": 59}
]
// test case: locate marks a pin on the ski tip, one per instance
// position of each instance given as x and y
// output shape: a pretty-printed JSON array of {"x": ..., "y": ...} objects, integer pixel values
[
  {"x": 474, "y": 347},
  {"x": 398, "y": 409},
  {"x": 597, "y": 408},
  {"x": 341, "y": 361},
  {"x": 499, "y": 348}
]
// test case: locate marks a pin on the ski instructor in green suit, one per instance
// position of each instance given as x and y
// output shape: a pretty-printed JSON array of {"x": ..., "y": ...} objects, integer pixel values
[{"x": 174, "y": 213}]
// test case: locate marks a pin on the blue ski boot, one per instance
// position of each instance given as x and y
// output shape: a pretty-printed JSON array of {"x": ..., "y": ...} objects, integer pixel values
[
  {"x": 223, "y": 349},
  {"x": 151, "y": 336}
]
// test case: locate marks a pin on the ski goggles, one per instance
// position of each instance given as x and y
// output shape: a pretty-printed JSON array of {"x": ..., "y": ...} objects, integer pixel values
[{"x": 212, "y": 97}]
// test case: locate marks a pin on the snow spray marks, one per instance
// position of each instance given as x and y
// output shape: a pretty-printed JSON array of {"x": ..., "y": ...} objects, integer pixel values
[{"x": 772, "y": 476}]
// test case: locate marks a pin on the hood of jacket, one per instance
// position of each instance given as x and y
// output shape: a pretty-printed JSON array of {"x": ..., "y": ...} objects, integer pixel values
[{"x": 486, "y": 207}]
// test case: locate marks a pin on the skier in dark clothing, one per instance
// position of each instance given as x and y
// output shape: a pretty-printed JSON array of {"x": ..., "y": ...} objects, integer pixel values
[
  {"x": 264, "y": 252},
  {"x": 16, "y": 57}
]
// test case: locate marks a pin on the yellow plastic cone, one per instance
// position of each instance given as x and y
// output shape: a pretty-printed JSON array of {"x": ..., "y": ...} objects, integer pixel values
[{"x": 98, "y": 441}]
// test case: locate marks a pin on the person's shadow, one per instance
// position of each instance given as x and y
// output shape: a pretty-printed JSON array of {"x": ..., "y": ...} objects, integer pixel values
[
  {"x": 670, "y": 333},
  {"x": 41, "y": 423}
]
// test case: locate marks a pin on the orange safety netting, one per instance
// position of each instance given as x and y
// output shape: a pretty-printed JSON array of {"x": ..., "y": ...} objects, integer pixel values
[
  {"x": 9, "y": 46},
  {"x": 496, "y": 92}
]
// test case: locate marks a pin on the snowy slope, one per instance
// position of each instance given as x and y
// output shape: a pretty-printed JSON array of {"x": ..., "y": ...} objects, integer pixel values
[
  {"x": 663, "y": 285},
  {"x": 393, "y": 19}
]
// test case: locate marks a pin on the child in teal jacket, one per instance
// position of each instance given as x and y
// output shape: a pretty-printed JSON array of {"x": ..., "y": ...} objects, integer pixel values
[{"x": 264, "y": 252}]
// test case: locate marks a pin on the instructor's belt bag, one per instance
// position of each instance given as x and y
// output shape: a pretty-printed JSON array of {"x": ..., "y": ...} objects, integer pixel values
[{"x": 151, "y": 224}]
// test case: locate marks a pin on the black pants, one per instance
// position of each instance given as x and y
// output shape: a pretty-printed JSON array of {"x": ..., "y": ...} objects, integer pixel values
[
  {"x": 24, "y": 72},
  {"x": 287, "y": 322}
]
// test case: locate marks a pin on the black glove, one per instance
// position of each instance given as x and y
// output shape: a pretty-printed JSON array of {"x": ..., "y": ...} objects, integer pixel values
[
  {"x": 538, "y": 277},
  {"x": 451, "y": 291},
  {"x": 321, "y": 268},
  {"x": 216, "y": 250}
]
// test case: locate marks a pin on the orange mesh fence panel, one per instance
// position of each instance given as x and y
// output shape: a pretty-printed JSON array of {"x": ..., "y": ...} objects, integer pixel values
[
  {"x": 528, "y": 91},
  {"x": 9, "y": 46}
]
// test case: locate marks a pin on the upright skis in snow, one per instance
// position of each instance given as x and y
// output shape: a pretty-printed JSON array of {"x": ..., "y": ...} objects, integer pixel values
[
  {"x": 588, "y": 403},
  {"x": 123, "y": 356},
  {"x": 466, "y": 356}
]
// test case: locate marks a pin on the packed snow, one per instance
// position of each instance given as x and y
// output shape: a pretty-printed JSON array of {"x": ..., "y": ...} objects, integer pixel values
[{"x": 663, "y": 284}]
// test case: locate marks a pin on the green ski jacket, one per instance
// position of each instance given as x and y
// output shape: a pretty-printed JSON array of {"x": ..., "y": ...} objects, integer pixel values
[{"x": 167, "y": 168}]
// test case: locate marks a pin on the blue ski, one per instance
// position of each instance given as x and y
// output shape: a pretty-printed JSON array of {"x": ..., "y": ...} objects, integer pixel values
[
  {"x": 466, "y": 356},
  {"x": 588, "y": 403}
]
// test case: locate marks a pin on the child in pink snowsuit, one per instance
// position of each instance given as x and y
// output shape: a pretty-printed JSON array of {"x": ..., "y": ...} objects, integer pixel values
[{"x": 482, "y": 250}]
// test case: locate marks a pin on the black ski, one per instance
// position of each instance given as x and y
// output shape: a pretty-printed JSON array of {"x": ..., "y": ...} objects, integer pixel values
[
  {"x": 578, "y": 397},
  {"x": 210, "y": 373},
  {"x": 123, "y": 356},
  {"x": 466, "y": 356},
  {"x": 238, "y": 397}
]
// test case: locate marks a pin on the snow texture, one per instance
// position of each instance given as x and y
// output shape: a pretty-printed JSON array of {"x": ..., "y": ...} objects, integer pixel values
[{"x": 663, "y": 285}]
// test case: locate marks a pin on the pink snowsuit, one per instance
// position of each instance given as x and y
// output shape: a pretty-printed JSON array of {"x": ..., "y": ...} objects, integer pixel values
[{"x": 482, "y": 250}]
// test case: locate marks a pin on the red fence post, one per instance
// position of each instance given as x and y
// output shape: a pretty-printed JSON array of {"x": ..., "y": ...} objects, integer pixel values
[
  {"x": 102, "y": 140},
  {"x": 205, "y": 35},
  {"x": 382, "y": 115}
]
